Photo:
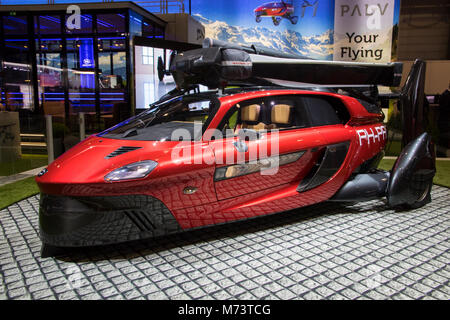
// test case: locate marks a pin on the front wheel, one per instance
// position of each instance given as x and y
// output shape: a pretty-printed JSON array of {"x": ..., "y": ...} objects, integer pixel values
[{"x": 258, "y": 19}]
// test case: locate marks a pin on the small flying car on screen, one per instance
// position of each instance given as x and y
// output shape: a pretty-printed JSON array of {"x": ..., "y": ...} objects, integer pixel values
[{"x": 277, "y": 11}]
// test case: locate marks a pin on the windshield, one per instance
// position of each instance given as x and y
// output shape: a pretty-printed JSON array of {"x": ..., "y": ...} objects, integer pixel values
[
  {"x": 181, "y": 116},
  {"x": 273, "y": 5}
]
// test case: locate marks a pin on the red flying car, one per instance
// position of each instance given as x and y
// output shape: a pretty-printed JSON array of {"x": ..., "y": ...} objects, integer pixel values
[
  {"x": 205, "y": 158},
  {"x": 276, "y": 11}
]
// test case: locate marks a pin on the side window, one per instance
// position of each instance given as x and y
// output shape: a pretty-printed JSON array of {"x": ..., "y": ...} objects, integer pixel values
[
  {"x": 287, "y": 112},
  {"x": 250, "y": 114},
  {"x": 231, "y": 122},
  {"x": 276, "y": 112},
  {"x": 324, "y": 111},
  {"x": 283, "y": 113}
]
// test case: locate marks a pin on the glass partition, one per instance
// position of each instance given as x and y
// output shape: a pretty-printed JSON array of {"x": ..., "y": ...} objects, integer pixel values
[
  {"x": 17, "y": 90},
  {"x": 148, "y": 86},
  {"x": 49, "y": 69},
  {"x": 112, "y": 81},
  {"x": 23, "y": 146},
  {"x": 50, "y": 77},
  {"x": 113, "y": 22},
  {"x": 15, "y": 25},
  {"x": 148, "y": 30},
  {"x": 47, "y": 24},
  {"x": 81, "y": 79},
  {"x": 136, "y": 22}
]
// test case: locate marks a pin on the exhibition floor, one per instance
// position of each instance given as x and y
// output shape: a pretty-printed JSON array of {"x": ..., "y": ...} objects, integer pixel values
[{"x": 325, "y": 251}]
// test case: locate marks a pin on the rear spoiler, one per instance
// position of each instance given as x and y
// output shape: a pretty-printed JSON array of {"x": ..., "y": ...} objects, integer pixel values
[{"x": 220, "y": 63}]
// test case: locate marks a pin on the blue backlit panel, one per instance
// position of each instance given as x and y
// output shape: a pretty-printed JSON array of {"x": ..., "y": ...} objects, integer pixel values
[{"x": 86, "y": 52}]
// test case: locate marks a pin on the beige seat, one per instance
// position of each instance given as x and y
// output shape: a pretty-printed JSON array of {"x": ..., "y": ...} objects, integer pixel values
[
  {"x": 281, "y": 115},
  {"x": 249, "y": 117},
  {"x": 232, "y": 171}
]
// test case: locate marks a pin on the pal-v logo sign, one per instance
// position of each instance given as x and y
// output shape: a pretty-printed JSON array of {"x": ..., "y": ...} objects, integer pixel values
[{"x": 373, "y": 12}]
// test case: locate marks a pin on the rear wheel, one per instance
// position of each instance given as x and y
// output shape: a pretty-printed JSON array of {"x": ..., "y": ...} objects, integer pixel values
[
  {"x": 160, "y": 68},
  {"x": 424, "y": 195},
  {"x": 294, "y": 19},
  {"x": 276, "y": 20},
  {"x": 411, "y": 177},
  {"x": 51, "y": 251}
]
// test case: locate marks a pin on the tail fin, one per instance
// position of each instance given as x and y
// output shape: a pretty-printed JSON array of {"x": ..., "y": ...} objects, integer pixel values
[
  {"x": 413, "y": 104},
  {"x": 411, "y": 177}
]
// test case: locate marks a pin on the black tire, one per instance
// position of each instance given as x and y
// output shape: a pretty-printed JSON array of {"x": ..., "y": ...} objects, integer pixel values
[
  {"x": 276, "y": 21},
  {"x": 424, "y": 198},
  {"x": 294, "y": 20},
  {"x": 258, "y": 19},
  {"x": 160, "y": 68},
  {"x": 48, "y": 250}
]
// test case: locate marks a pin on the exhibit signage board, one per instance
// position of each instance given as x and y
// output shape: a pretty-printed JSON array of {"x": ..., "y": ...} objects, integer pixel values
[
  {"x": 342, "y": 30},
  {"x": 363, "y": 30}
]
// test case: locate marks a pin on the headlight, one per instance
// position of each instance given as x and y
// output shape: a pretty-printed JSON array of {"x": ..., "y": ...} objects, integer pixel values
[
  {"x": 132, "y": 171},
  {"x": 43, "y": 171}
]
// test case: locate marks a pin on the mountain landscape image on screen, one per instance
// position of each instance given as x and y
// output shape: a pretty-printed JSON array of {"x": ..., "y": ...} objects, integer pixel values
[{"x": 317, "y": 47}]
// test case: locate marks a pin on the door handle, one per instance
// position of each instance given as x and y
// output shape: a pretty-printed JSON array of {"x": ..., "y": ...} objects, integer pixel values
[{"x": 240, "y": 146}]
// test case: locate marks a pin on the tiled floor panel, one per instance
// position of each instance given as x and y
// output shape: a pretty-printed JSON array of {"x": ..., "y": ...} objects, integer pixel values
[{"x": 326, "y": 251}]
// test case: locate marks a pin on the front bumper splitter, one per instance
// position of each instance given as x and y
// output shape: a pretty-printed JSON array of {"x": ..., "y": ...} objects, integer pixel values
[{"x": 88, "y": 221}]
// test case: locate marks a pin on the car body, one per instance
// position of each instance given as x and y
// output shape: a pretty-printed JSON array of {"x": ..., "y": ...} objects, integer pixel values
[
  {"x": 80, "y": 172},
  {"x": 205, "y": 158}
]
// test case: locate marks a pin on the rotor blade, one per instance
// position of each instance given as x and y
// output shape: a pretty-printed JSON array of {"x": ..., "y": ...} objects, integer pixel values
[{"x": 327, "y": 72}]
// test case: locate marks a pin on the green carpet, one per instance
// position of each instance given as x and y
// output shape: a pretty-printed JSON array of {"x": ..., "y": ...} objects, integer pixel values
[
  {"x": 442, "y": 176},
  {"x": 27, "y": 162},
  {"x": 16, "y": 191}
]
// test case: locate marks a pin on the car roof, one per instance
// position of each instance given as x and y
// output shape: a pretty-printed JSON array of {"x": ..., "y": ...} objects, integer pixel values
[{"x": 229, "y": 91}]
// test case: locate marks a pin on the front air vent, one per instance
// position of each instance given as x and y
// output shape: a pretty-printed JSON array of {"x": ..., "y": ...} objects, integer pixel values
[
  {"x": 120, "y": 151},
  {"x": 141, "y": 219}
]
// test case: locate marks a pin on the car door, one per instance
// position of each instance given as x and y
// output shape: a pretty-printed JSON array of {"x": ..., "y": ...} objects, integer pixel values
[{"x": 268, "y": 142}]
